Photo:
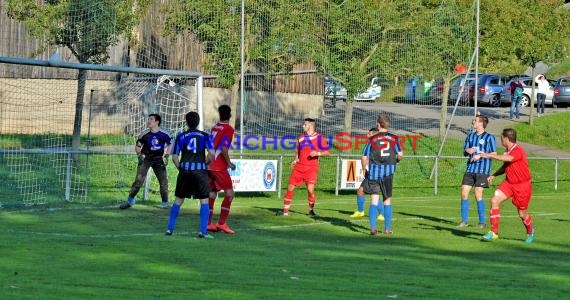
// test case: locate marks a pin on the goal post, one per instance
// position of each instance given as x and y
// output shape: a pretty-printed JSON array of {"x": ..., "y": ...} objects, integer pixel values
[{"x": 37, "y": 121}]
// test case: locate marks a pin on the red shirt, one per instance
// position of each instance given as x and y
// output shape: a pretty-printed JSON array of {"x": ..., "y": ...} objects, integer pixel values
[
  {"x": 223, "y": 134},
  {"x": 307, "y": 143},
  {"x": 517, "y": 170}
]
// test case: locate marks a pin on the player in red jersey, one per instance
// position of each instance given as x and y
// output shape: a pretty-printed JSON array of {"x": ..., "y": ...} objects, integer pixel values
[
  {"x": 222, "y": 134},
  {"x": 310, "y": 146},
  {"x": 517, "y": 184}
]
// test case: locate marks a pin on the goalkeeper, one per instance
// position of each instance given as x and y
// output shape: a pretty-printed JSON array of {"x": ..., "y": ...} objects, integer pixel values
[{"x": 150, "y": 148}]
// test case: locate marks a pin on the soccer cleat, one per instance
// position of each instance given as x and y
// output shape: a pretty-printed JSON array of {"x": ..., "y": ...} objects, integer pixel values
[
  {"x": 312, "y": 213},
  {"x": 380, "y": 218},
  {"x": 490, "y": 236},
  {"x": 388, "y": 232},
  {"x": 168, "y": 232},
  {"x": 205, "y": 236},
  {"x": 165, "y": 204},
  {"x": 462, "y": 225},
  {"x": 212, "y": 227},
  {"x": 481, "y": 225},
  {"x": 225, "y": 228},
  {"x": 281, "y": 213},
  {"x": 357, "y": 214},
  {"x": 125, "y": 205},
  {"x": 530, "y": 237},
  {"x": 374, "y": 232}
]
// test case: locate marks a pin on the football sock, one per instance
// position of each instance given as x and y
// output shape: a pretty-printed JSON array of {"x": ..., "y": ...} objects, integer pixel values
[
  {"x": 312, "y": 198},
  {"x": 131, "y": 200},
  {"x": 211, "y": 206},
  {"x": 226, "y": 204},
  {"x": 528, "y": 224},
  {"x": 287, "y": 201},
  {"x": 360, "y": 203},
  {"x": 481, "y": 210},
  {"x": 464, "y": 210},
  {"x": 381, "y": 209},
  {"x": 494, "y": 216},
  {"x": 387, "y": 217},
  {"x": 204, "y": 215},
  {"x": 372, "y": 215},
  {"x": 174, "y": 210}
]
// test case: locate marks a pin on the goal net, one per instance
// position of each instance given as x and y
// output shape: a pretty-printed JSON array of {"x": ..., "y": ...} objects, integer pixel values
[{"x": 37, "y": 162}]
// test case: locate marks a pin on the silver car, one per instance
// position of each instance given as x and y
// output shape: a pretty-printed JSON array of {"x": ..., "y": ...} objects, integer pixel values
[
  {"x": 527, "y": 91},
  {"x": 334, "y": 89}
]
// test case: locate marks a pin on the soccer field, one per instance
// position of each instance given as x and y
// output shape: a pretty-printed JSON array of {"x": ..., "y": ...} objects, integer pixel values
[{"x": 80, "y": 252}]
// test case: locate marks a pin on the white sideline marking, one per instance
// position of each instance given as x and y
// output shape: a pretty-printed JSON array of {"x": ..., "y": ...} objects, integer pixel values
[{"x": 363, "y": 220}]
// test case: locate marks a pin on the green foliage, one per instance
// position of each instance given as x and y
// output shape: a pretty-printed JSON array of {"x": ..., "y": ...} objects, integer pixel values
[
  {"x": 278, "y": 34},
  {"x": 516, "y": 33},
  {"x": 87, "y": 28}
]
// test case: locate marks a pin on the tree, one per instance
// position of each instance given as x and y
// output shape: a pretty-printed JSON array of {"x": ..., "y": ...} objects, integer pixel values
[
  {"x": 351, "y": 52},
  {"x": 277, "y": 32},
  {"x": 87, "y": 28}
]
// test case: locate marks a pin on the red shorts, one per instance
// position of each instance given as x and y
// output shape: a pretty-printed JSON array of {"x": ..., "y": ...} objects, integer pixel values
[
  {"x": 301, "y": 173},
  {"x": 220, "y": 180},
  {"x": 519, "y": 192}
]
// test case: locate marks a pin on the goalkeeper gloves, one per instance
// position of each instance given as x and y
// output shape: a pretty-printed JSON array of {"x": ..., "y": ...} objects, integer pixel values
[
  {"x": 141, "y": 158},
  {"x": 165, "y": 159}
]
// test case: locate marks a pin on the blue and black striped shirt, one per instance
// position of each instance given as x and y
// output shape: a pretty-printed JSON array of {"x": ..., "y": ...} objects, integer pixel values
[
  {"x": 193, "y": 145},
  {"x": 484, "y": 143},
  {"x": 382, "y": 152}
]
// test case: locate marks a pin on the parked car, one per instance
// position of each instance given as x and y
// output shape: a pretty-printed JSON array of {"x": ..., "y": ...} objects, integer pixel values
[
  {"x": 435, "y": 94},
  {"x": 527, "y": 92},
  {"x": 562, "y": 92},
  {"x": 489, "y": 89},
  {"x": 333, "y": 89},
  {"x": 372, "y": 93}
]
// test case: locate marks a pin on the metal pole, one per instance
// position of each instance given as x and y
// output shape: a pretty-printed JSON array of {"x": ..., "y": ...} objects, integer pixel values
[
  {"x": 436, "y": 167},
  {"x": 337, "y": 175},
  {"x": 68, "y": 177},
  {"x": 88, "y": 141},
  {"x": 280, "y": 177},
  {"x": 199, "y": 92},
  {"x": 477, "y": 58},
  {"x": 556, "y": 174},
  {"x": 242, "y": 50}
]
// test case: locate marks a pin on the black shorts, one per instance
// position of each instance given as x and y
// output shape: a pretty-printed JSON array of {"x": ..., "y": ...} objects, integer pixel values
[
  {"x": 377, "y": 187},
  {"x": 476, "y": 180},
  {"x": 192, "y": 184}
]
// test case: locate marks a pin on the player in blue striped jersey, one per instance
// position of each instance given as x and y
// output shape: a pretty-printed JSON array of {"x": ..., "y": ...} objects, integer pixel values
[
  {"x": 189, "y": 157},
  {"x": 478, "y": 169},
  {"x": 359, "y": 213},
  {"x": 380, "y": 161}
]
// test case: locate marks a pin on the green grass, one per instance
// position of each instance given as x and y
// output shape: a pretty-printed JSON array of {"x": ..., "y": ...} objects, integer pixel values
[
  {"x": 67, "y": 250},
  {"x": 80, "y": 252},
  {"x": 550, "y": 131}
]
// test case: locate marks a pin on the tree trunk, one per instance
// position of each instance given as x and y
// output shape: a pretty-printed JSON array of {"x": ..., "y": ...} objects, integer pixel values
[
  {"x": 532, "y": 97},
  {"x": 444, "y": 99},
  {"x": 76, "y": 139},
  {"x": 348, "y": 115},
  {"x": 235, "y": 98}
]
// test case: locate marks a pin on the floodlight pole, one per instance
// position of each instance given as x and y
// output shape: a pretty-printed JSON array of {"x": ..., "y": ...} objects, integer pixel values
[
  {"x": 477, "y": 28},
  {"x": 242, "y": 78}
]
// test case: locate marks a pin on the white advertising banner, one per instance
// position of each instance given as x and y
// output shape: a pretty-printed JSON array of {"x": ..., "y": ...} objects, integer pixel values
[
  {"x": 252, "y": 175},
  {"x": 351, "y": 174}
]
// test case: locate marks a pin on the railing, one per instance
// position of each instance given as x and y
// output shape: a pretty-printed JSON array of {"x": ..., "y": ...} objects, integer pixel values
[{"x": 451, "y": 167}]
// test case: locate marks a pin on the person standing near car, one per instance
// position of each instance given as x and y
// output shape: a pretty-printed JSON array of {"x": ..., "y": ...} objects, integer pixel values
[
  {"x": 516, "y": 88},
  {"x": 542, "y": 89}
]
